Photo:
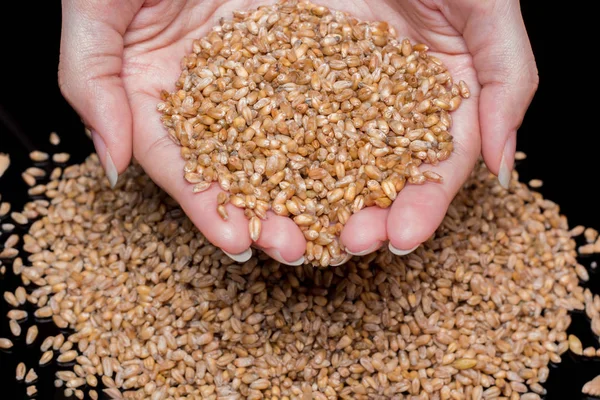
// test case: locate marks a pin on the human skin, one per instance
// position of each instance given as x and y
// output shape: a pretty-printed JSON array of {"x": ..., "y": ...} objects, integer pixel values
[{"x": 117, "y": 55}]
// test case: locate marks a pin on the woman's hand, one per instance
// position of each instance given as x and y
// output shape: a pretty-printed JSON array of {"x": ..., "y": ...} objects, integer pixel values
[
  {"x": 116, "y": 57},
  {"x": 485, "y": 44}
]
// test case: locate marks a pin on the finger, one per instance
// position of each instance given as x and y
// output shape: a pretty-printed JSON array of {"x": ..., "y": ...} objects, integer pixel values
[
  {"x": 161, "y": 159},
  {"x": 279, "y": 236},
  {"x": 496, "y": 37},
  {"x": 281, "y": 239},
  {"x": 419, "y": 209},
  {"x": 359, "y": 241},
  {"x": 89, "y": 76}
]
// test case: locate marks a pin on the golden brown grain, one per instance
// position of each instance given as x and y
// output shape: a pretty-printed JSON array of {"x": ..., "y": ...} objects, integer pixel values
[
  {"x": 153, "y": 309},
  {"x": 592, "y": 387},
  {"x": 61, "y": 158},
  {"x": 4, "y": 163},
  {"x": 520, "y": 156},
  {"x": 11, "y": 299},
  {"x": 32, "y": 333},
  {"x": 17, "y": 314},
  {"x": 31, "y": 390},
  {"x": 575, "y": 345},
  {"x": 4, "y": 208},
  {"x": 590, "y": 235},
  {"x": 15, "y": 328},
  {"x": 293, "y": 105},
  {"x": 46, "y": 357},
  {"x": 38, "y": 156},
  {"x": 21, "y": 370},
  {"x": 11, "y": 241},
  {"x": 536, "y": 183},
  {"x": 19, "y": 218},
  {"x": 54, "y": 139},
  {"x": 28, "y": 179}
]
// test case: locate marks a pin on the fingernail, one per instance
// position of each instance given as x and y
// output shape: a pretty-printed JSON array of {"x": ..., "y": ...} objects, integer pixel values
[
  {"x": 109, "y": 166},
  {"x": 399, "y": 252},
  {"x": 506, "y": 162},
  {"x": 241, "y": 257},
  {"x": 371, "y": 249},
  {"x": 344, "y": 260},
  {"x": 274, "y": 254}
]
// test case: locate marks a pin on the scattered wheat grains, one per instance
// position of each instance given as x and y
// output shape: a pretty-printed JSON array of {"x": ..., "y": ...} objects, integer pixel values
[
  {"x": 20, "y": 372},
  {"x": 4, "y": 163},
  {"x": 17, "y": 315},
  {"x": 19, "y": 218},
  {"x": 54, "y": 139},
  {"x": 589, "y": 352},
  {"x": 592, "y": 387},
  {"x": 21, "y": 295},
  {"x": 46, "y": 357},
  {"x": 575, "y": 345},
  {"x": 31, "y": 335},
  {"x": 312, "y": 114},
  {"x": 9, "y": 253},
  {"x": 61, "y": 158},
  {"x": 36, "y": 172},
  {"x": 520, "y": 156},
  {"x": 4, "y": 208},
  {"x": 31, "y": 390},
  {"x": 38, "y": 156},
  {"x": 590, "y": 235},
  {"x": 11, "y": 241},
  {"x": 5, "y": 343},
  {"x": 47, "y": 343},
  {"x": 536, "y": 183},
  {"x": 31, "y": 376},
  {"x": 11, "y": 299},
  {"x": 192, "y": 313},
  {"x": 15, "y": 328},
  {"x": 7, "y": 227},
  {"x": 28, "y": 179}
]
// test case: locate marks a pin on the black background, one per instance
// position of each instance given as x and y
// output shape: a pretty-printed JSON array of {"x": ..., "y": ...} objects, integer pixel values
[{"x": 559, "y": 135}]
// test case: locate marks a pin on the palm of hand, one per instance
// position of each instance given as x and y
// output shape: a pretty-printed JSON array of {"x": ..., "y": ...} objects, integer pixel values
[{"x": 162, "y": 33}]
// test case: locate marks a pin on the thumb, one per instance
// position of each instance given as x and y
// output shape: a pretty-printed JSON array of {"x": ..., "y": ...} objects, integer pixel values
[
  {"x": 496, "y": 37},
  {"x": 89, "y": 76}
]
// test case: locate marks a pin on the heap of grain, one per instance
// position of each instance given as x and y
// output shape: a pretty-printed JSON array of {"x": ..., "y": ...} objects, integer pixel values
[
  {"x": 312, "y": 114},
  {"x": 477, "y": 312}
]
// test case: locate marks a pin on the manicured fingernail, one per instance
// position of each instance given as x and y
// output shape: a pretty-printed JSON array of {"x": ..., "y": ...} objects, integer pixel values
[
  {"x": 109, "y": 166},
  {"x": 241, "y": 257},
  {"x": 507, "y": 162},
  {"x": 399, "y": 252},
  {"x": 344, "y": 260},
  {"x": 371, "y": 249},
  {"x": 277, "y": 256}
]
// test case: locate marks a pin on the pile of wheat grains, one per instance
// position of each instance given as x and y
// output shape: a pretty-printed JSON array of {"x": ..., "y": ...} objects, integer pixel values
[
  {"x": 312, "y": 114},
  {"x": 155, "y": 311}
]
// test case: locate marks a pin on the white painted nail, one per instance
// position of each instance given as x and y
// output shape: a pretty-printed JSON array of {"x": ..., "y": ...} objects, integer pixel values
[
  {"x": 399, "y": 252},
  {"x": 344, "y": 260},
  {"x": 504, "y": 174},
  {"x": 371, "y": 249},
  {"x": 241, "y": 257},
  {"x": 274, "y": 254},
  {"x": 111, "y": 170},
  {"x": 506, "y": 163},
  {"x": 109, "y": 166}
]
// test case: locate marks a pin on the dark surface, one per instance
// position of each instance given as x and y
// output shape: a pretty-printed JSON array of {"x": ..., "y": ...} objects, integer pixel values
[{"x": 559, "y": 135}]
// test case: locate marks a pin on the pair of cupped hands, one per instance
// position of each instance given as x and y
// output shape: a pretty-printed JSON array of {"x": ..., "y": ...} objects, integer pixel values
[{"x": 117, "y": 55}]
